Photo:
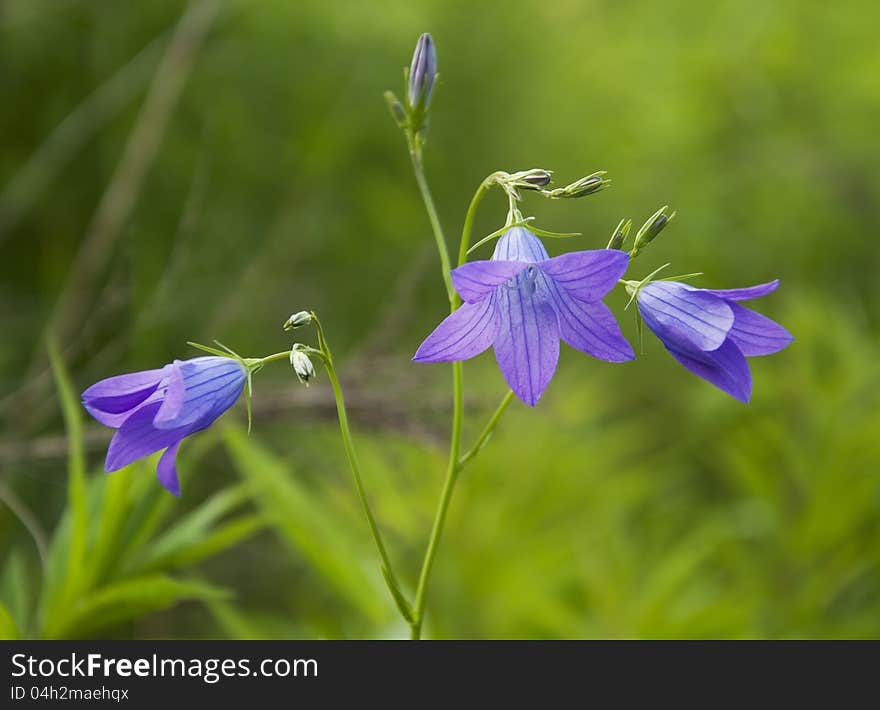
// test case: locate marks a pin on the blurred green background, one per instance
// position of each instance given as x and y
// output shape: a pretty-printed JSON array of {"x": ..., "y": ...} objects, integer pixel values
[{"x": 174, "y": 172}]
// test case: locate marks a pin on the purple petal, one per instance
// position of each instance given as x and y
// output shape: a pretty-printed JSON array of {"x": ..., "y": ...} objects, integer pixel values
[
  {"x": 166, "y": 470},
  {"x": 685, "y": 318},
  {"x": 726, "y": 368},
  {"x": 589, "y": 327},
  {"x": 755, "y": 334},
  {"x": 212, "y": 385},
  {"x": 462, "y": 335},
  {"x": 527, "y": 343},
  {"x": 476, "y": 279},
  {"x": 173, "y": 398},
  {"x": 137, "y": 437},
  {"x": 519, "y": 244},
  {"x": 111, "y": 401},
  {"x": 746, "y": 294},
  {"x": 587, "y": 275}
]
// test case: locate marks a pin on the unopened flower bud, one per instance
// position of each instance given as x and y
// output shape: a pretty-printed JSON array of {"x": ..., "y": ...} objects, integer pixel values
[
  {"x": 650, "y": 229},
  {"x": 580, "y": 188},
  {"x": 621, "y": 232},
  {"x": 422, "y": 72},
  {"x": 394, "y": 106},
  {"x": 530, "y": 179},
  {"x": 302, "y": 366},
  {"x": 297, "y": 320}
]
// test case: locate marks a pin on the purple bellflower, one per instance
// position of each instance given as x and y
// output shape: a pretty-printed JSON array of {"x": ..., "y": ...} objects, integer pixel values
[
  {"x": 156, "y": 409},
  {"x": 521, "y": 302},
  {"x": 710, "y": 333}
]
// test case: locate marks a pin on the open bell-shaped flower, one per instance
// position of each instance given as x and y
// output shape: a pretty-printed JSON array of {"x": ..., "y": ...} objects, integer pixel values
[
  {"x": 710, "y": 332},
  {"x": 154, "y": 410},
  {"x": 522, "y": 303}
]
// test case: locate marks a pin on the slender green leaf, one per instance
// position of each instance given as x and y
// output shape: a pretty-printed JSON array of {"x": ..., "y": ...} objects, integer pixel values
[
  {"x": 76, "y": 465},
  {"x": 210, "y": 543},
  {"x": 188, "y": 531},
  {"x": 255, "y": 625},
  {"x": 303, "y": 521},
  {"x": 8, "y": 629},
  {"x": 129, "y": 600},
  {"x": 17, "y": 590}
]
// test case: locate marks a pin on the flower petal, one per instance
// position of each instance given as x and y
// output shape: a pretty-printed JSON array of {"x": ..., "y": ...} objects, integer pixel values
[
  {"x": 166, "y": 469},
  {"x": 587, "y": 275},
  {"x": 755, "y": 334},
  {"x": 211, "y": 384},
  {"x": 746, "y": 294},
  {"x": 476, "y": 279},
  {"x": 110, "y": 401},
  {"x": 726, "y": 368},
  {"x": 137, "y": 437},
  {"x": 685, "y": 318},
  {"x": 519, "y": 244},
  {"x": 175, "y": 393},
  {"x": 527, "y": 342},
  {"x": 464, "y": 334},
  {"x": 589, "y": 327}
]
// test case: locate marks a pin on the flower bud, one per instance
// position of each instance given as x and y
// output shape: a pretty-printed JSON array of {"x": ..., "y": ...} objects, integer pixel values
[
  {"x": 621, "y": 232},
  {"x": 394, "y": 106},
  {"x": 650, "y": 229},
  {"x": 302, "y": 366},
  {"x": 297, "y": 320},
  {"x": 580, "y": 188},
  {"x": 530, "y": 179},
  {"x": 422, "y": 71}
]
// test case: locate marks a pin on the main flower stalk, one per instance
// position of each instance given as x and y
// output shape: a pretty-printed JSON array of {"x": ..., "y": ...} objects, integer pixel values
[{"x": 454, "y": 465}]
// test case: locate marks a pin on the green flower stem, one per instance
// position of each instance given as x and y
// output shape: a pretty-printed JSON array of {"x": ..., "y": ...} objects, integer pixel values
[
  {"x": 468, "y": 227},
  {"x": 453, "y": 467},
  {"x": 269, "y": 358},
  {"x": 487, "y": 431},
  {"x": 415, "y": 155},
  {"x": 354, "y": 464},
  {"x": 443, "y": 506}
]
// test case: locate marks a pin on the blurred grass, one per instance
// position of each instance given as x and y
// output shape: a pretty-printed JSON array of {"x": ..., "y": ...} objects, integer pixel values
[{"x": 635, "y": 500}]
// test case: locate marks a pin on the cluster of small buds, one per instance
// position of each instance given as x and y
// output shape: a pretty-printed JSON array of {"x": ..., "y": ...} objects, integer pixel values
[
  {"x": 650, "y": 229},
  {"x": 587, "y": 185}
]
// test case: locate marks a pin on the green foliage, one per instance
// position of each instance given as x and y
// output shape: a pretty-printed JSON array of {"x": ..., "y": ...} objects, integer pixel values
[
  {"x": 114, "y": 552},
  {"x": 8, "y": 629},
  {"x": 310, "y": 527}
]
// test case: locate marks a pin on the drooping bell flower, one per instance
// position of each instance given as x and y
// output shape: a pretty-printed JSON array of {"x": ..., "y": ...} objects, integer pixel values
[
  {"x": 710, "y": 333},
  {"x": 154, "y": 410},
  {"x": 522, "y": 303}
]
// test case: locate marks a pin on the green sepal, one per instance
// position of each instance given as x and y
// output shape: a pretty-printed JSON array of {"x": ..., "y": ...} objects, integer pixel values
[{"x": 554, "y": 235}]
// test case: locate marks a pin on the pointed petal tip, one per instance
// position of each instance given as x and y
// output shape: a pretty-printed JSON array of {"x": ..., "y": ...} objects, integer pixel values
[
  {"x": 113, "y": 465},
  {"x": 461, "y": 335},
  {"x": 166, "y": 469},
  {"x": 627, "y": 356},
  {"x": 530, "y": 399},
  {"x": 747, "y": 293}
]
